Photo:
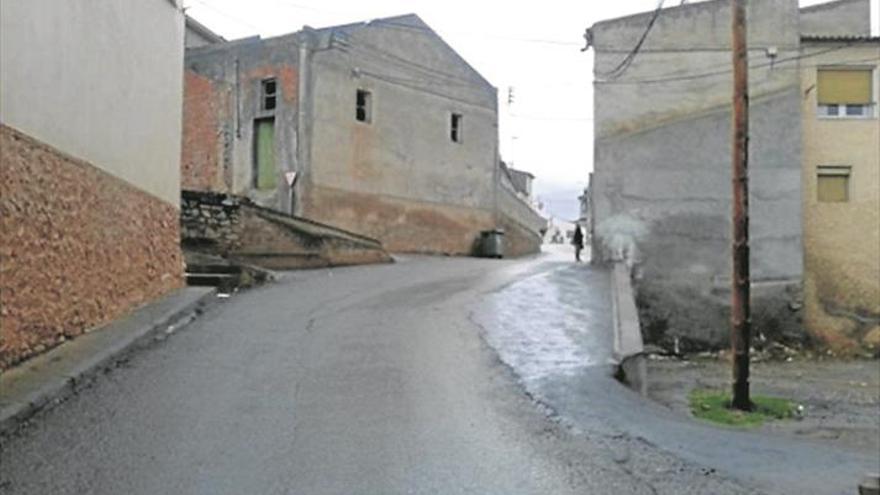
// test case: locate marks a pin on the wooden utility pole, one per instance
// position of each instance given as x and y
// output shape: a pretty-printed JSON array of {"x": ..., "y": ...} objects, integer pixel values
[{"x": 740, "y": 310}]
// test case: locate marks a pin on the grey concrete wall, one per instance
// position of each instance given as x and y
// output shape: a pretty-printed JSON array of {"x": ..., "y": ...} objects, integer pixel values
[
  {"x": 416, "y": 82},
  {"x": 101, "y": 81},
  {"x": 661, "y": 187},
  {"x": 195, "y": 39},
  {"x": 839, "y": 18},
  {"x": 197, "y": 34}
]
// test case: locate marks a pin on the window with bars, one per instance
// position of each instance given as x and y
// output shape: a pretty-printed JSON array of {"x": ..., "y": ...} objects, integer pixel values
[{"x": 268, "y": 94}]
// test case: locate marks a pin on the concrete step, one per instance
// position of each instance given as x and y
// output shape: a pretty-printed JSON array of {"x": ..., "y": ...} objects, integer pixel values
[
  {"x": 203, "y": 279},
  {"x": 219, "y": 268}
]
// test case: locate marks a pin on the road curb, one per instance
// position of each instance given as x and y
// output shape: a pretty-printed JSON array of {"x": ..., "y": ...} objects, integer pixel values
[
  {"x": 628, "y": 352},
  {"x": 49, "y": 378}
]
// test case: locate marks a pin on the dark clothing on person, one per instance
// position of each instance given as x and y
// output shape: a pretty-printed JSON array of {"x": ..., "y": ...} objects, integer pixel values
[{"x": 578, "y": 241}]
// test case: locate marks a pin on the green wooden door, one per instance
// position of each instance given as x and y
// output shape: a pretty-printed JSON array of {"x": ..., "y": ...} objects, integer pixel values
[{"x": 264, "y": 151}]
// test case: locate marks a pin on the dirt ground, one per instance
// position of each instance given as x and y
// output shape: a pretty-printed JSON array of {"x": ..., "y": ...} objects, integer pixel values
[{"x": 840, "y": 398}]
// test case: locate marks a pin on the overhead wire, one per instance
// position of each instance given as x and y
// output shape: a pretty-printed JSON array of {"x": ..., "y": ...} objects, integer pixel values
[
  {"x": 627, "y": 61},
  {"x": 402, "y": 26},
  {"x": 405, "y": 62},
  {"x": 692, "y": 76},
  {"x": 418, "y": 85},
  {"x": 227, "y": 15}
]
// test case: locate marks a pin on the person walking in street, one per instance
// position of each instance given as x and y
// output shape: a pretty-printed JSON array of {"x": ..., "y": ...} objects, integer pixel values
[{"x": 578, "y": 241}]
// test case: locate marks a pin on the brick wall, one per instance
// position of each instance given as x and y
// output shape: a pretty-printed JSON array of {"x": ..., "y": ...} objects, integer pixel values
[
  {"x": 78, "y": 247},
  {"x": 206, "y": 129}
]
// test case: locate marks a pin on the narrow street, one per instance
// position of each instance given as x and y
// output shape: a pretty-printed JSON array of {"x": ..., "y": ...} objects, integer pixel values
[
  {"x": 355, "y": 380},
  {"x": 334, "y": 247}
]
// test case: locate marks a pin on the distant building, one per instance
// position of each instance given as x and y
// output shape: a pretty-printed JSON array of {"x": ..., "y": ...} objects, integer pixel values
[
  {"x": 585, "y": 218},
  {"x": 559, "y": 231},
  {"x": 197, "y": 34},
  {"x": 522, "y": 181},
  {"x": 660, "y": 192},
  {"x": 90, "y": 125},
  {"x": 841, "y": 188},
  {"x": 378, "y": 128}
]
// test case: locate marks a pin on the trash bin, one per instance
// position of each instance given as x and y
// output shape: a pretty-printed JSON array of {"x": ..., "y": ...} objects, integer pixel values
[{"x": 492, "y": 243}]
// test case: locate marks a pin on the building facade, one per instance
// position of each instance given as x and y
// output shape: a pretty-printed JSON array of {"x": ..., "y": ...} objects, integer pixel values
[
  {"x": 197, "y": 34},
  {"x": 378, "y": 128},
  {"x": 89, "y": 165},
  {"x": 841, "y": 189},
  {"x": 660, "y": 191}
]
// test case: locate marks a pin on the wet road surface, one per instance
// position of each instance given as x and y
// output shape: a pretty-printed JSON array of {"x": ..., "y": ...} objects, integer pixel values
[{"x": 432, "y": 375}]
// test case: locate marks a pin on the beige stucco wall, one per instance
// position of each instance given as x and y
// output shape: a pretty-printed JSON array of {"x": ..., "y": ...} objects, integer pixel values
[
  {"x": 842, "y": 240},
  {"x": 101, "y": 81}
]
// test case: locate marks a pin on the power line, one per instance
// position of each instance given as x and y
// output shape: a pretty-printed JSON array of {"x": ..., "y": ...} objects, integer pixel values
[
  {"x": 231, "y": 17},
  {"x": 688, "y": 77},
  {"x": 392, "y": 24},
  {"x": 624, "y": 64},
  {"x": 407, "y": 83},
  {"x": 402, "y": 61},
  {"x": 551, "y": 118},
  {"x": 710, "y": 69}
]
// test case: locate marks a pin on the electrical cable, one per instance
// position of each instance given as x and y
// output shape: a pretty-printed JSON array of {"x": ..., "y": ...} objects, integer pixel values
[
  {"x": 392, "y": 24},
  {"x": 404, "y": 83},
  {"x": 404, "y": 62},
  {"x": 688, "y": 77},
  {"x": 624, "y": 64},
  {"x": 228, "y": 16}
]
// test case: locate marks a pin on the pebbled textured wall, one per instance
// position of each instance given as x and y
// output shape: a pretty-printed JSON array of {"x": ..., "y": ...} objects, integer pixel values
[{"x": 78, "y": 247}]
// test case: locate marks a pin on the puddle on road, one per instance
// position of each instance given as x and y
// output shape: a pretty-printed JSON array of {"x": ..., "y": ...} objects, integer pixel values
[{"x": 547, "y": 325}]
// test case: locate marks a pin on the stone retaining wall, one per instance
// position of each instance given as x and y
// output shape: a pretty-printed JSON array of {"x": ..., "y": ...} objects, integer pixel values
[
  {"x": 78, "y": 247},
  {"x": 236, "y": 228}
]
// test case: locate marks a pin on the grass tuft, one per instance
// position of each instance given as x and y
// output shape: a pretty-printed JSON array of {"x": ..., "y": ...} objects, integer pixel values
[{"x": 714, "y": 406}]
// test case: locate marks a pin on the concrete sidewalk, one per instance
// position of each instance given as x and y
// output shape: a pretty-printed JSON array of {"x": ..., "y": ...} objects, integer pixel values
[{"x": 50, "y": 377}]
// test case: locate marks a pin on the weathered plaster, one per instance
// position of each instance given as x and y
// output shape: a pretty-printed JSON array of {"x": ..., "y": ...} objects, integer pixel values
[
  {"x": 842, "y": 240},
  {"x": 400, "y": 177},
  {"x": 661, "y": 187}
]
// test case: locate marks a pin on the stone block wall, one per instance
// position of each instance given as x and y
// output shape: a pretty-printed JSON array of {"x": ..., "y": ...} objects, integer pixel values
[
  {"x": 238, "y": 229},
  {"x": 78, "y": 247},
  {"x": 210, "y": 221}
]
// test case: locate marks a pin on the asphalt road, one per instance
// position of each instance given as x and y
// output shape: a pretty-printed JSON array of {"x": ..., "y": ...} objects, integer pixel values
[{"x": 418, "y": 377}]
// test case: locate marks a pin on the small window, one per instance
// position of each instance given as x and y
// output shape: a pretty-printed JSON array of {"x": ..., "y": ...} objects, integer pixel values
[
  {"x": 269, "y": 94},
  {"x": 845, "y": 92},
  {"x": 363, "y": 110},
  {"x": 455, "y": 128},
  {"x": 857, "y": 110},
  {"x": 832, "y": 184},
  {"x": 846, "y": 111}
]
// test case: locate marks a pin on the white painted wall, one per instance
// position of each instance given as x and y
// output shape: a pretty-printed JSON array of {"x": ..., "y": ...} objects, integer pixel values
[{"x": 100, "y": 80}]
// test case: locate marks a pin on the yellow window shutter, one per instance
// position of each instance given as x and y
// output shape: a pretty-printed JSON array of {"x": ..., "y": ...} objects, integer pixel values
[
  {"x": 833, "y": 184},
  {"x": 844, "y": 86}
]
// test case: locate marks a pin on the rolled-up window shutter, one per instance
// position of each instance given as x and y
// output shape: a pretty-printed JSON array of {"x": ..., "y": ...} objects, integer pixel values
[{"x": 844, "y": 86}]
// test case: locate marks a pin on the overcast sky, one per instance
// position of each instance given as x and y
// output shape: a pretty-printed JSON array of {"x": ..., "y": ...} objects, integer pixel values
[{"x": 531, "y": 46}]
